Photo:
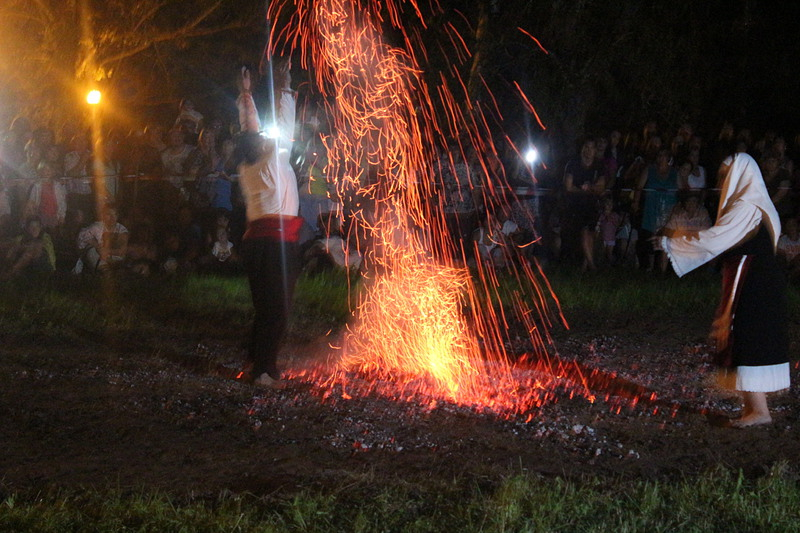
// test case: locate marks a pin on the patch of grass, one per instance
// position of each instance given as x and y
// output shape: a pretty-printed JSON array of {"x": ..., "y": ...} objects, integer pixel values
[
  {"x": 50, "y": 310},
  {"x": 72, "y": 309},
  {"x": 328, "y": 294},
  {"x": 322, "y": 303},
  {"x": 630, "y": 291},
  {"x": 717, "y": 501},
  {"x": 212, "y": 295}
]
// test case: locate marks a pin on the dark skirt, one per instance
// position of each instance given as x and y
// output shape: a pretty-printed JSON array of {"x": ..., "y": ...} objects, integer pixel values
[{"x": 758, "y": 330}]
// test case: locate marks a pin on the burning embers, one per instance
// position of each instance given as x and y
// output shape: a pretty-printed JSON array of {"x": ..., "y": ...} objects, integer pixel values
[
  {"x": 508, "y": 393},
  {"x": 410, "y": 326},
  {"x": 424, "y": 329}
]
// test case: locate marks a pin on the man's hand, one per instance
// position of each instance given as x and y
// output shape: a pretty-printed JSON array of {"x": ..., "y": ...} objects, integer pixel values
[
  {"x": 281, "y": 73},
  {"x": 245, "y": 80},
  {"x": 656, "y": 243}
]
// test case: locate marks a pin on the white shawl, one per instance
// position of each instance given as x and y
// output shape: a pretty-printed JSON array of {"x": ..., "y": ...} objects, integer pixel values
[{"x": 744, "y": 204}]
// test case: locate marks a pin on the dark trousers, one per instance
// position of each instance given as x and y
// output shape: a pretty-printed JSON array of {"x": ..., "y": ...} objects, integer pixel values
[{"x": 272, "y": 268}]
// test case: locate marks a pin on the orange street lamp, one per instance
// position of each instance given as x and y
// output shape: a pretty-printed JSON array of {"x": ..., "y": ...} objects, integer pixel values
[{"x": 93, "y": 97}]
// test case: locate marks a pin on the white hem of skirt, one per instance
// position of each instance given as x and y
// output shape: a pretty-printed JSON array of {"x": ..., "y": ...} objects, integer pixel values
[{"x": 767, "y": 378}]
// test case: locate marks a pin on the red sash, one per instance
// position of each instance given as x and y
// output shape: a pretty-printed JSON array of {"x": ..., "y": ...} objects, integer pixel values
[
  {"x": 281, "y": 228},
  {"x": 48, "y": 205}
]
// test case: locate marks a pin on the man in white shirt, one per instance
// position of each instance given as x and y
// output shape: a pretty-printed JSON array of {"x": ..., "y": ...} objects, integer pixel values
[{"x": 271, "y": 243}]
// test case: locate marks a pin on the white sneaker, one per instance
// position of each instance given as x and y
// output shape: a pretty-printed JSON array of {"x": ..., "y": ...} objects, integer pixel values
[{"x": 268, "y": 382}]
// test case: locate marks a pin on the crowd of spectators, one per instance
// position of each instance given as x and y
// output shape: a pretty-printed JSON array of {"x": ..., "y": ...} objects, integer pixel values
[
  {"x": 160, "y": 199},
  {"x": 601, "y": 208},
  {"x": 166, "y": 199}
]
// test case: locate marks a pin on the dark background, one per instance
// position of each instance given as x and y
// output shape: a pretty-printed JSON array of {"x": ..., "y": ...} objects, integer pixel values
[{"x": 610, "y": 64}]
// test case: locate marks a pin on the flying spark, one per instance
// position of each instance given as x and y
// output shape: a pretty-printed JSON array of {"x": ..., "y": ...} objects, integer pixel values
[{"x": 424, "y": 325}]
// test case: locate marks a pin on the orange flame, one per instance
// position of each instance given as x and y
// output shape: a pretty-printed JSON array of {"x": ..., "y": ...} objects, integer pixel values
[{"x": 423, "y": 324}]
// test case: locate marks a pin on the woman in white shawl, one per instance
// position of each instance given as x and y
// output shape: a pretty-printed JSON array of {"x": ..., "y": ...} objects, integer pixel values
[{"x": 750, "y": 328}]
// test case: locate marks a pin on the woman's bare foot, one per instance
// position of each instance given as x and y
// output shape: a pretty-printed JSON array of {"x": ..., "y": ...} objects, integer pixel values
[
  {"x": 755, "y": 411},
  {"x": 752, "y": 419}
]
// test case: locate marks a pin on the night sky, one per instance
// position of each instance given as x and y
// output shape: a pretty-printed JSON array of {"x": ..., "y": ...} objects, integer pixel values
[
  {"x": 619, "y": 65},
  {"x": 610, "y": 64}
]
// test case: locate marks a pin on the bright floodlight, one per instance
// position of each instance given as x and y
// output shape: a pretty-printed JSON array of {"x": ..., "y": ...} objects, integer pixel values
[
  {"x": 531, "y": 156},
  {"x": 93, "y": 97},
  {"x": 272, "y": 132}
]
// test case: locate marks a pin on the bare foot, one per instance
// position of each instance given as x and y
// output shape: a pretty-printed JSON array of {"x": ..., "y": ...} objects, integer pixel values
[
  {"x": 752, "y": 419},
  {"x": 266, "y": 381}
]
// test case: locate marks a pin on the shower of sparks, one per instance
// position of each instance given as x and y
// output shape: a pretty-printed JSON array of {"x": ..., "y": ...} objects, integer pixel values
[{"x": 423, "y": 325}]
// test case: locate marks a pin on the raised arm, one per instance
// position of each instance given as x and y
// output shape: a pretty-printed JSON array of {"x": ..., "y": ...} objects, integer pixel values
[
  {"x": 248, "y": 114},
  {"x": 284, "y": 98},
  {"x": 695, "y": 248}
]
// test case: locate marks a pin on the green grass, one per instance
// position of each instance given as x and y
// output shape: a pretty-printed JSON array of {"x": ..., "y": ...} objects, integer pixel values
[
  {"x": 625, "y": 291},
  {"x": 70, "y": 309},
  {"x": 719, "y": 501},
  {"x": 322, "y": 303}
]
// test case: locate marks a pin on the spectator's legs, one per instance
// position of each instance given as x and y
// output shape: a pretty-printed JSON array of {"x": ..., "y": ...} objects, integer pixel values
[
  {"x": 645, "y": 250},
  {"x": 587, "y": 246},
  {"x": 91, "y": 259},
  {"x": 609, "y": 249}
]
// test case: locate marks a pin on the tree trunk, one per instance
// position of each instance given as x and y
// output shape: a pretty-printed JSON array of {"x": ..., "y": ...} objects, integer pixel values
[{"x": 482, "y": 48}]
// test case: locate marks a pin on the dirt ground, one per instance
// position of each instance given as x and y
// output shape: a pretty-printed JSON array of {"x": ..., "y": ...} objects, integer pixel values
[{"x": 159, "y": 414}]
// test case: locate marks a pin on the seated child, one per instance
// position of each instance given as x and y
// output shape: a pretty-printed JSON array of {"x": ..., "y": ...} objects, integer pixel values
[
  {"x": 142, "y": 254},
  {"x": 491, "y": 240},
  {"x": 687, "y": 216},
  {"x": 607, "y": 226},
  {"x": 223, "y": 248},
  {"x": 331, "y": 251},
  {"x": 222, "y": 259},
  {"x": 103, "y": 244},
  {"x": 31, "y": 252}
]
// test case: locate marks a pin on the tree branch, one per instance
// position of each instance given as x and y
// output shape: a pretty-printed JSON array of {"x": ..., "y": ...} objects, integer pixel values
[
  {"x": 25, "y": 16},
  {"x": 204, "y": 15},
  {"x": 169, "y": 36},
  {"x": 147, "y": 16},
  {"x": 183, "y": 32},
  {"x": 45, "y": 10}
]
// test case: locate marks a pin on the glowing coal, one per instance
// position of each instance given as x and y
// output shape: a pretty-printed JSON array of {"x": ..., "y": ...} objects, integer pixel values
[{"x": 423, "y": 328}]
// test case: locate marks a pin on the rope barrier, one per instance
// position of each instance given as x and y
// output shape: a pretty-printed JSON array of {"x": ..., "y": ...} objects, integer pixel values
[
  {"x": 522, "y": 191},
  {"x": 125, "y": 177}
]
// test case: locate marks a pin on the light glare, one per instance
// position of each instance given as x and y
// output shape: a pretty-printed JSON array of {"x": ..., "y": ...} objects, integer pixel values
[
  {"x": 93, "y": 97},
  {"x": 273, "y": 132}
]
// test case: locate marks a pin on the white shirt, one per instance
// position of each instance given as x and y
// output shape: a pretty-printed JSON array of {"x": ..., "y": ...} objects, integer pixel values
[
  {"x": 269, "y": 186},
  {"x": 95, "y": 232},
  {"x": 697, "y": 181},
  {"x": 222, "y": 251}
]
